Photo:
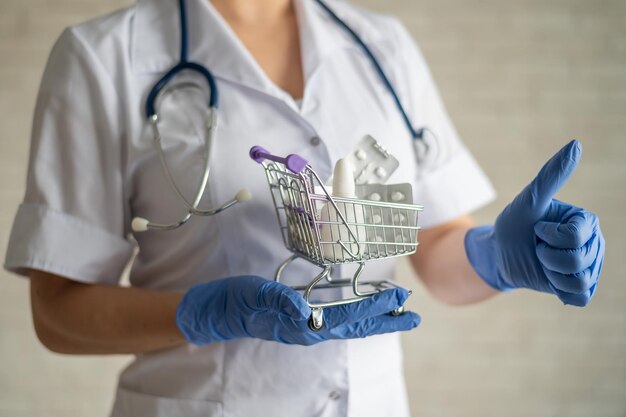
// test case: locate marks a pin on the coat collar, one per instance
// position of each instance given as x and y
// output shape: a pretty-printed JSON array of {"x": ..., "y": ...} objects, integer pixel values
[{"x": 155, "y": 44}]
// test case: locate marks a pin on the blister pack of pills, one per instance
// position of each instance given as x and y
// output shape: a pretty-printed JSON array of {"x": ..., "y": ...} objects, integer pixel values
[
  {"x": 372, "y": 163},
  {"x": 391, "y": 193}
]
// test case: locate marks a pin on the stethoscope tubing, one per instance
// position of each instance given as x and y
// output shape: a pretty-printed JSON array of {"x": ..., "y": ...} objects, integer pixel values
[
  {"x": 141, "y": 224},
  {"x": 415, "y": 134}
]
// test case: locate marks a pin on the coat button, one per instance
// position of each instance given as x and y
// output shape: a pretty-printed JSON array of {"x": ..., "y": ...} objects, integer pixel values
[
  {"x": 334, "y": 395},
  {"x": 315, "y": 140}
]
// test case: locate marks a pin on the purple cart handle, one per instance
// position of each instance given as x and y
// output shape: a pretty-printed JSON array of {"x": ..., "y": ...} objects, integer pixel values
[{"x": 293, "y": 162}]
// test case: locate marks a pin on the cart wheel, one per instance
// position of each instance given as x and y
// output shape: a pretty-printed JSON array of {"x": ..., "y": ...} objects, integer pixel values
[
  {"x": 398, "y": 311},
  {"x": 316, "y": 321}
]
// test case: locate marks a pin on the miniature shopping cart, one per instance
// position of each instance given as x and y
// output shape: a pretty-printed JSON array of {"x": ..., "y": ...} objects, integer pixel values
[{"x": 357, "y": 230}]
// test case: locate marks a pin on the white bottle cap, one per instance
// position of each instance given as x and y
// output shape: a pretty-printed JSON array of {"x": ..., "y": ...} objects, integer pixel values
[{"x": 343, "y": 179}]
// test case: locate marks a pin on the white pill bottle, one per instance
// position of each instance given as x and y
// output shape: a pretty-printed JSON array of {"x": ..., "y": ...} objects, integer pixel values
[{"x": 338, "y": 243}]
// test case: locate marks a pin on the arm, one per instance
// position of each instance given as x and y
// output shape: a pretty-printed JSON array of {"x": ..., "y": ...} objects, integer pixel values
[
  {"x": 442, "y": 265},
  {"x": 72, "y": 317},
  {"x": 77, "y": 318}
]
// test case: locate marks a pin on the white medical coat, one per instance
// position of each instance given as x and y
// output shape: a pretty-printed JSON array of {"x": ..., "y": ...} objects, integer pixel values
[{"x": 93, "y": 168}]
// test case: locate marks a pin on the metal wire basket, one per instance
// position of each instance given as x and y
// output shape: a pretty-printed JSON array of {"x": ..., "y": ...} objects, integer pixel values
[{"x": 327, "y": 230}]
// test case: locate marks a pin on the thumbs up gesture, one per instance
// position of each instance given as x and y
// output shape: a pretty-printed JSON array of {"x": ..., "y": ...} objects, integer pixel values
[{"x": 541, "y": 243}]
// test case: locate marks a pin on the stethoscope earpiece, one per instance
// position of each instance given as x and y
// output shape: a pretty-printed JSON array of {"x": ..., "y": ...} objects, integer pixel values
[
  {"x": 243, "y": 195},
  {"x": 139, "y": 224}
]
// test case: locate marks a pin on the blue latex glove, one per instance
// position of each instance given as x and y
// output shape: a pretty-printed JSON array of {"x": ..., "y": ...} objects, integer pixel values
[
  {"x": 541, "y": 243},
  {"x": 251, "y": 306}
]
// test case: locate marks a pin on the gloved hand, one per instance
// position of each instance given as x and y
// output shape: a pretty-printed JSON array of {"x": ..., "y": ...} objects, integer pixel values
[
  {"x": 251, "y": 306},
  {"x": 541, "y": 243}
]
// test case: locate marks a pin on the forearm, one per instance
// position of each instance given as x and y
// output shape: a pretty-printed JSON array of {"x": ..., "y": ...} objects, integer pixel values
[
  {"x": 77, "y": 318},
  {"x": 442, "y": 265}
]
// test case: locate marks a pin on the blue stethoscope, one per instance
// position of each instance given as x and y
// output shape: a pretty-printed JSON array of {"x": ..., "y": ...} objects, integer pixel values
[{"x": 140, "y": 224}]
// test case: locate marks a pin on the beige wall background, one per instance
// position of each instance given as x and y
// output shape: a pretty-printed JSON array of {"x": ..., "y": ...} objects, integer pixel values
[{"x": 520, "y": 78}]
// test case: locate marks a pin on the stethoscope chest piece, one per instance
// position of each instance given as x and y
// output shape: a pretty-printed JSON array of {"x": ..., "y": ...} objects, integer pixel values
[{"x": 426, "y": 147}]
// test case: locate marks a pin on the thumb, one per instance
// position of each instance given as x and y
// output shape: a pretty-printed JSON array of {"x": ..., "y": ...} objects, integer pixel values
[
  {"x": 277, "y": 297},
  {"x": 553, "y": 175}
]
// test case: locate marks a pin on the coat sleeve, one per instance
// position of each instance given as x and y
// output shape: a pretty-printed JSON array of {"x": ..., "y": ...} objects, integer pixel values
[{"x": 73, "y": 220}]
